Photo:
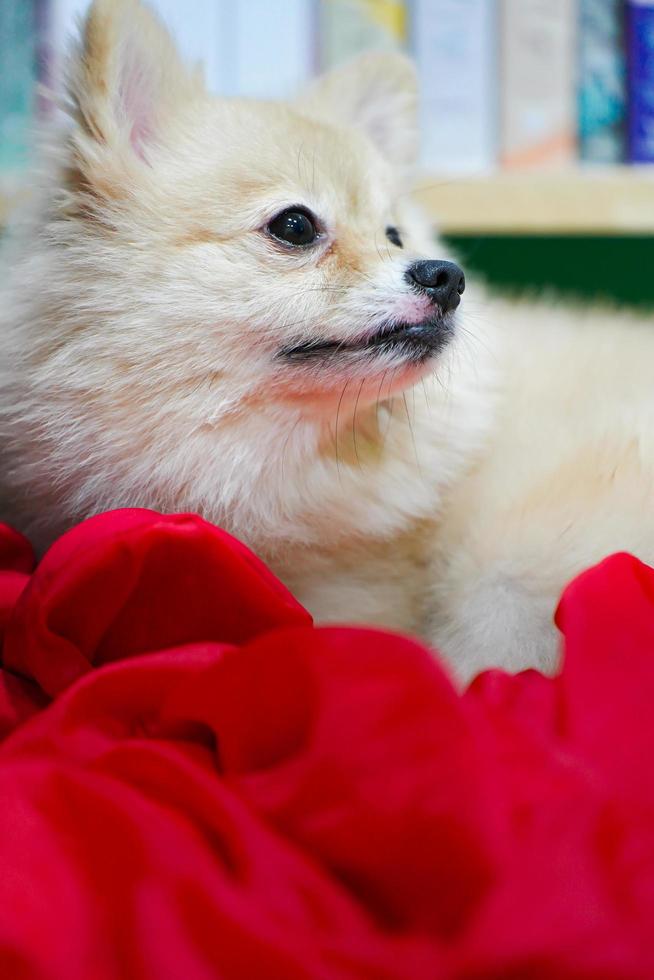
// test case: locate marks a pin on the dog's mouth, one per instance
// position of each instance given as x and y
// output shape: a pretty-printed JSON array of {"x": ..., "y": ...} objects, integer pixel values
[{"x": 410, "y": 341}]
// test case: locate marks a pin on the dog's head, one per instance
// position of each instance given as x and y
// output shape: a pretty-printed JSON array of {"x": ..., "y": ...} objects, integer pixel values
[{"x": 246, "y": 250}]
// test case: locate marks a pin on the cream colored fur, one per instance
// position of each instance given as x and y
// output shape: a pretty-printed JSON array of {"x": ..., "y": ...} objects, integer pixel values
[
  {"x": 567, "y": 479},
  {"x": 141, "y": 325}
]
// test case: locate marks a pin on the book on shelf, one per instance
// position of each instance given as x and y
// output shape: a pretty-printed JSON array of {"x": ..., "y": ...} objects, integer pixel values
[
  {"x": 537, "y": 82},
  {"x": 455, "y": 44},
  {"x": 503, "y": 83},
  {"x": 347, "y": 27},
  {"x": 230, "y": 38},
  {"x": 640, "y": 49},
  {"x": 267, "y": 47},
  {"x": 602, "y": 102},
  {"x": 18, "y": 49},
  {"x": 196, "y": 27}
]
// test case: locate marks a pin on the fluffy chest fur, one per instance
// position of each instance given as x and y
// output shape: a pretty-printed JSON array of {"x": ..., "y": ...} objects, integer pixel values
[
  {"x": 341, "y": 504},
  {"x": 567, "y": 478}
]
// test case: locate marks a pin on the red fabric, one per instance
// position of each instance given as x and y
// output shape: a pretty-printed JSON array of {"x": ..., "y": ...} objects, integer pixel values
[{"x": 196, "y": 783}]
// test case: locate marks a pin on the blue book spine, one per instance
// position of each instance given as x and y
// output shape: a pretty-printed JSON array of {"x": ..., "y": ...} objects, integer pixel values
[
  {"x": 602, "y": 81},
  {"x": 640, "y": 48}
]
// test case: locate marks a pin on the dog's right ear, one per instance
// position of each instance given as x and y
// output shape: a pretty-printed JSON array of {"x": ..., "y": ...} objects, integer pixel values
[
  {"x": 125, "y": 77},
  {"x": 376, "y": 92}
]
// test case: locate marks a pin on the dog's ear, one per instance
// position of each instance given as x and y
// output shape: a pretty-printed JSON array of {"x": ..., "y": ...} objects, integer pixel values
[
  {"x": 125, "y": 77},
  {"x": 377, "y": 93}
]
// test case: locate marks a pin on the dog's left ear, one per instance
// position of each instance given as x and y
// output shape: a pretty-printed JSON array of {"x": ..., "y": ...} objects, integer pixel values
[
  {"x": 377, "y": 93},
  {"x": 126, "y": 80}
]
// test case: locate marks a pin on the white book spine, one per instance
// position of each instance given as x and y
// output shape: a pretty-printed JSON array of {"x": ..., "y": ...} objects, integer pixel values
[
  {"x": 257, "y": 48},
  {"x": 269, "y": 50},
  {"x": 539, "y": 68},
  {"x": 197, "y": 27},
  {"x": 348, "y": 27},
  {"x": 455, "y": 46}
]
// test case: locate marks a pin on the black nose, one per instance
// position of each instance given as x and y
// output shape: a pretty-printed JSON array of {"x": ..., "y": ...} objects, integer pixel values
[{"x": 444, "y": 282}]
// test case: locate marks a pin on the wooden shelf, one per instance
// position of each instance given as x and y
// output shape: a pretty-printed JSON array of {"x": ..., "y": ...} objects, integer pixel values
[
  {"x": 585, "y": 200},
  {"x": 593, "y": 201}
]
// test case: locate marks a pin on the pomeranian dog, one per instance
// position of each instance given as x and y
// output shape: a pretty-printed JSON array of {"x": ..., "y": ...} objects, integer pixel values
[{"x": 231, "y": 307}]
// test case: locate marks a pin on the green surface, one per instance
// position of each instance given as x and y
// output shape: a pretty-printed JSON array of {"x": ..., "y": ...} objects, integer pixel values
[{"x": 617, "y": 269}]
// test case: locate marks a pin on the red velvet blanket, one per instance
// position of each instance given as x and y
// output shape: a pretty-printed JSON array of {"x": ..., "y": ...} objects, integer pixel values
[{"x": 196, "y": 783}]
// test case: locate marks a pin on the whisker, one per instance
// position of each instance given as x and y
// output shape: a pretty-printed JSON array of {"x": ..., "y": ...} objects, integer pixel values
[
  {"x": 476, "y": 339},
  {"x": 299, "y": 154},
  {"x": 391, "y": 405},
  {"x": 413, "y": 438},
  {"x": 381, "y": 385},
  {"x": 381, "y": 257},
  {"x": 338, "y": 410},
  {"x": 354, "y": 421},
  {"x": 286, "y": 443},
  {"x": 418, "y": 187},
  {"x": 391, "y": 401},
  {"x": 427, "y": 403}
]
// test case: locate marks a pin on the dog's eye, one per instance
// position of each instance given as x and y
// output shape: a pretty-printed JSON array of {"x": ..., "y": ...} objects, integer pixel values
[
  {"x": 393, "y": 236},
  {"x": 294, "y": 227}
]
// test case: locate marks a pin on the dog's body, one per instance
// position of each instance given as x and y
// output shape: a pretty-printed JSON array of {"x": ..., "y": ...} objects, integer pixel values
[
  {"x": 567, "y": 479},
  {"x": 166, "y": 346}
]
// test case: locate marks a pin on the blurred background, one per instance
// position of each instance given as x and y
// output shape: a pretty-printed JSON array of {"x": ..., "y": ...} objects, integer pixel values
[{"x": 537, "y": 116}]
